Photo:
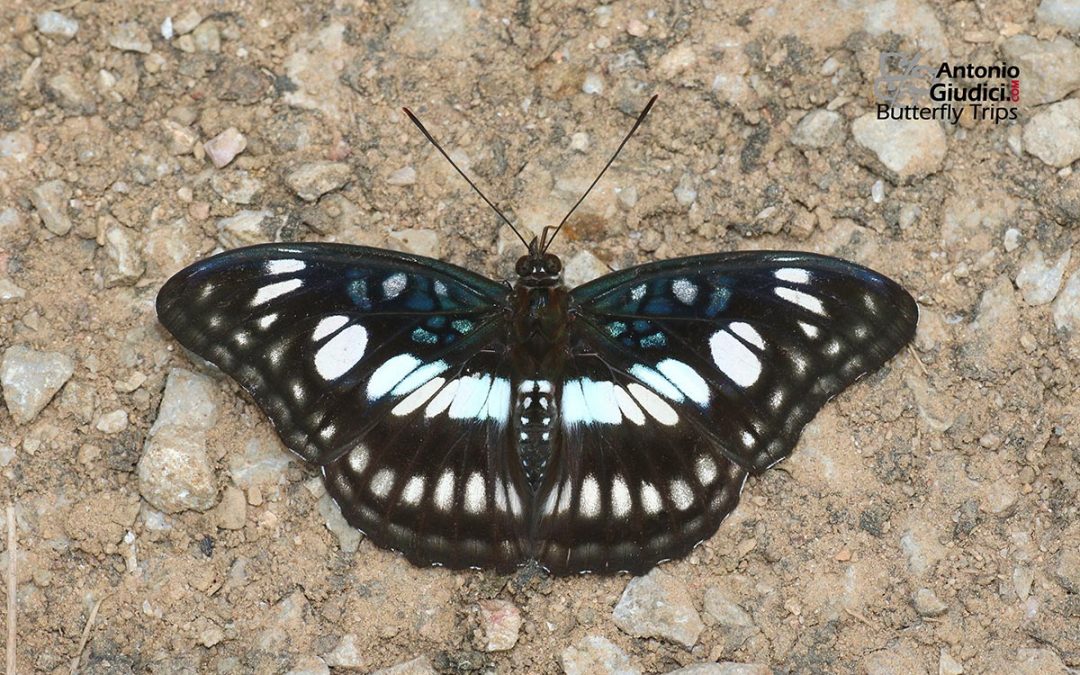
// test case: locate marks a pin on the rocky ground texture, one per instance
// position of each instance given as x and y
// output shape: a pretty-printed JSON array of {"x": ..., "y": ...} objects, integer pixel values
[{"x": 927, "y": 522}]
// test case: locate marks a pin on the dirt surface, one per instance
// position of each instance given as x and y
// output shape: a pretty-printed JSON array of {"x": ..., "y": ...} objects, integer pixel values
[{"x": 927, "y": 519}]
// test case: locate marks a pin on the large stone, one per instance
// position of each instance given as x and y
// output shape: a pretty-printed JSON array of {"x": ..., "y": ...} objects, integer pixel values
[
  {"x": 50, "y": 200},
  {"x": 311, "y": 181},
  {"x": 901, "y": 150},
  {"x": 658, "y": 605},
  {"x": 30, "y": 379},
  {"x": 1038, "y": 279},
  {"x": 596, "y": 655},
  {"x": 1049, "y": 69},
  {"x": 1064, "y": 13},
  {"x": 175, "y": 473},
  {"x": 818, "y": 129},
  {"x": 1053, "y": 135}
]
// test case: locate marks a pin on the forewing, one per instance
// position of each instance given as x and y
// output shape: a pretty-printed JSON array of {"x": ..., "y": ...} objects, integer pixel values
[{"x": 748, "y": 346}]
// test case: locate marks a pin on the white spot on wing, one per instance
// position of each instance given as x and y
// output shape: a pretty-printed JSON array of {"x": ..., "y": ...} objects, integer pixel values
[
  {"x": 705, "y": 469},
  {"x": 444, "y": 491},
  {"x": 498, "y": 407},
  {"x": 734, "y": 358},
  {"x": 600, "y": 401},
  {"x": 328, "y": 325},
  {"x": 284, "y": 266},
  {"x": 792, "y": 274},
  {"x": 654, "y": 405},
  {"x": 271, "y": 291},
  {"x": 804, "y": 300},
  {"x": 442, "y": 400},
  {"x": 748, "y": 333},
  {"x": 413, "y": 491},
  {"x": 393, "y": 285},
  {"x": 629, "y": 409},
  {"x": 637, "y": 292},
  {"x": 471, "y": 397},
  {"x": 474, "y": 493},
  {"x": 358, "y": 459},
  {"x": 650, "y": 499},
  {"x": 686, "y": 379},
  {"x": 681, "y": 494},
  {"x": 418, "y": 397},
  {"x": 657, "y": 382},
  {"x": 620, "y": 498},
  {"x": 811, "y": 331},
  {"x": 341, "y": 352},
  {"x": 573, "y": 404},
  {"x": 389, "y": 374},
  {"x": 419, "y": 377},
  {"x": 685, "y": 291},
  {"x": 590, "y": 497},
  {"x": 267, "y": 321},
  {"x": 381, "y": 482}
]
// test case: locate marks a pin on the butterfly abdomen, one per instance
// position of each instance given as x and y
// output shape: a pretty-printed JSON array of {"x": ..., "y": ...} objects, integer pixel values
[{"x": 534, "y": 427}]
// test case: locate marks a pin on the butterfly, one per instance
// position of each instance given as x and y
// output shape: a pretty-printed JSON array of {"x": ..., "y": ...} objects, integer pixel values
[{"x": 470, "y": 423}]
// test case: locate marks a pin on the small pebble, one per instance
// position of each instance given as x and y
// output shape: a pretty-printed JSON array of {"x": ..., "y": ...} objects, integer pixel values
[
  {"x": 658, "y": 605},
  {"x": 818, "y": 129},
  {"x": 232, "y": 511},
  {"x": 237, "y": 187},
  {"x": 9, "y": 292},
  {"x": 346, "y": 654},
  {"x": 596, "y": 655},
  {"x": 71, "y": 93},
  {"x": 877, "y": 191},
  {"x": 927, "y": 603},
  {"x": 224, "y": 147},
  {"x": 31, "y": 378},
  {"x": 636, "y": 28},
  {"x": 626, "y": 197},
  {"x": 500, "y": 621},
  {"x": 187, "y": 22},
  {"x": 1012, "y": 239},
  {"x": 124, "y": 263},
  {"x": 242, "y": 228},
  {"x": 207, "y": 38},
  {"x": 579, "y": 141},
  {"x": 947, "y": 665},
  {"x": 686, "y": 192},
  {"x": 593, "y": 84},
  {"x": 406, "y": 175},
  {"x": 1038, "y": 280},
  {"x": 112, "y": 423},
  {"x": 418, "y": 666},
  {"x": 130, "y": 37},
  {"x": 167, "y": 28},
  {"x": 348, "y": 536},
  {"x": 56, "y": 25},
  {"x": 903, "y": 151},
  {"x": 311, "y": 181},
  {"x": 1053, "y": 134}
]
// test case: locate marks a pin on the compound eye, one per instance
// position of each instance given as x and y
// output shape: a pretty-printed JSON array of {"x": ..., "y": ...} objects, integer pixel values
[
  {"x": 523, "y": 266},
  {"x": 552, "y": 264}
]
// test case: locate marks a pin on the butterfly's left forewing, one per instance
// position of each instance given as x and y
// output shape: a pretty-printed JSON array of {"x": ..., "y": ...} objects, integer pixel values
[{"x": 388, "y": 370}]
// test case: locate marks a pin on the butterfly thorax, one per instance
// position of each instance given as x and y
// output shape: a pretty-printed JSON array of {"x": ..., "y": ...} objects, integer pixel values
[{"x": 539, "y": 348}]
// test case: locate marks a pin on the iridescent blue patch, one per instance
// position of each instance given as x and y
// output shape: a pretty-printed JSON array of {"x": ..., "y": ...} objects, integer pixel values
[
  {"x": 424, "y": 337},
  {"x": 462, "y": 326},
  {"x": 718, "y": 301},
  {"x": 616, "y": 328},
  {"x": 654, "y": 340},
  {"x": 358, "y": 293}
]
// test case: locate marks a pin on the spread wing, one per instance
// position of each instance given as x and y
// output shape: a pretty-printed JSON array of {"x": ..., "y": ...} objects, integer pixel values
[
  {"x": 689, "y": 374},
  {"x": 388, "y": 370}
]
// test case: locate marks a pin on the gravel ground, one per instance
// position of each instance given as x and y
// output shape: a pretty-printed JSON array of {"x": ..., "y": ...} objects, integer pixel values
[{"x": 927, "y": 520}]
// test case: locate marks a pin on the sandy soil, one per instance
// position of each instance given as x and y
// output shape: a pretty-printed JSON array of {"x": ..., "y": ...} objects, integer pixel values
[{"x": 927, "y": 519}]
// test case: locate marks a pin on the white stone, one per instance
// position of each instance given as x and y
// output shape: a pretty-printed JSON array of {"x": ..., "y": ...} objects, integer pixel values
[
  {"x": 223, "y": 148},
  {"x": 596, "y": 655},
  {"x": 1049, "y": 69},
  {"x": 1064, "y": 13},
  {"x": 500, "y": 622},
  {"x": 311, "y": 181},
  {"x": 346, "y": 654},
  {"x": 242, "y": 228},
  {"x": 175, "y": 473},
  {"x": 1038, "y": 280},
  {"x": 124, "y": 264},
  {"x": 130, "y": 37},
  {"x": 113, "y": 422},
  {"x": 1053, "y": 135},
  {"x": 593, "y": 84},
  {"x": 904, "y": 150},
  {"x": 818, "y": 129},
  {"x": 658, "y": 605},
  {"x": 31, "y": 378},
  {"x": 50, "y": 200},
  {"x": 9, "y": 292},
  {"x": 583, "y": 266},
  {"x": 56, "y": 25},
  {"x": 348, "y": 536},
  {"x": 406, "y": 175}
]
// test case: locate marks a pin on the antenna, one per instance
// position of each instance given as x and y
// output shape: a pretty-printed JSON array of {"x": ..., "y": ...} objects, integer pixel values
[
  {"x": 648, "y": 106},
  {"x": 471, "y": 184}
]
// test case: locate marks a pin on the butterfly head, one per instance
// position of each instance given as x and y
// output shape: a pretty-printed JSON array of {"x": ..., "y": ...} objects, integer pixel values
[{"x": 538, "y": 268}]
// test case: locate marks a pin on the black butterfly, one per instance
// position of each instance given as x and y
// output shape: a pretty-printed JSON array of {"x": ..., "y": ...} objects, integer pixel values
[{"x": 469, "y": 423}]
